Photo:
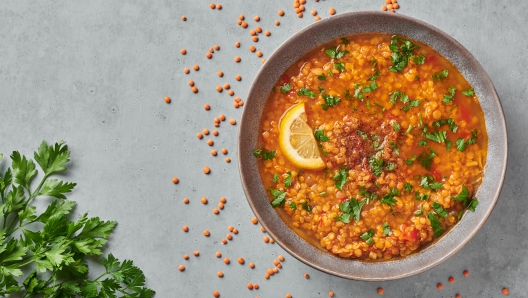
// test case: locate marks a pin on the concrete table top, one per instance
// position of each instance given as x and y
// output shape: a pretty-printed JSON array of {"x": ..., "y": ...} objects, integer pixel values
[{"x": 95, "y": 73}]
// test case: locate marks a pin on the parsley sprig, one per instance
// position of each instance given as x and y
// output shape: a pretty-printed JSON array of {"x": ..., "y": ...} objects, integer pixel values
[
  {"x": 400, "y": 54},
  {"x": 263, "y": 154},
  {"x": 351, "y": 209},
  {"x": 47, "y": 251}
]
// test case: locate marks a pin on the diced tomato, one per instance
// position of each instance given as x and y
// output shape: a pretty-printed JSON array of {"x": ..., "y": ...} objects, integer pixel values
[
  {"x": 286, "y": 78},
  {"x": 437, "y": 175},
  {"x": 464, "y": 114},
  {"x": 412, "y": 235},
  {"x": 342, "y": 199},
  {"x": 429, "y": 58}
]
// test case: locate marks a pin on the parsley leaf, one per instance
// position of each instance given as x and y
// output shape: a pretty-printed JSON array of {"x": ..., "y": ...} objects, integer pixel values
[
  {"x": 449, "y": 97},
  {"x": 419, "y": 60},
  {"x": 426, "y": 158},
  {"x": 449, "y": 121},
  {"x": 306, "y": 92},
  {"x": 428, "y": 182},
  {"x": 469, "y": 92},
  {"x": 341, "y": 178},
  {"x": 439, "y": 210},
  {"x": 407, "y": 187},
  {"x": 418, "y": 196},
  {"x": 330, "y": 101},
  {"x": 351, "y": 209},
  {"x": 321, "y": 78},
  {"x": 306, "y": 207},
  {"x": 47, "y": 252},
  {"x": 279, "y": 196},
  {"x": 288, "y": 179},
  {"x": 400, "y": 55},
  {"x": 368, "y": 195},
  {"x": 442, "y": 75},
  {"x": 386, "y": 229},
  {"x": 435, "y": 224},
  {"x": 463, "y": 195},
  {"x": 275, "y": 178},
  {"x": 367, "y": 236},
  {"x": 437, "y": 136},
  {"x": 374, "y": 76},
  {"x": 396, "y": 126},
  {"x": 285, "y": 88},
  {"x": 319, "y": 136},
  {"x": 376, "y": 165},
  {"x": 340, "y": 66},
  {"x": 265, "y": 155},
  {"x": 373, "y": 86},
  {"x": 293, "y": 206},
  {"x": 335, "y": 52},
  {"x": 345, "y": 41},
  {"x": 389, "y": 197}
]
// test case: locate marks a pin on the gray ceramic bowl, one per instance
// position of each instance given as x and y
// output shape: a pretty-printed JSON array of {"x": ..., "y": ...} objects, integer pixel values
[{"x": 363, "y": 22}]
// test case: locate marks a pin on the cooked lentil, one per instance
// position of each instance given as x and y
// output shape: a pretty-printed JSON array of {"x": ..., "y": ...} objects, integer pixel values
[{"x": 372, "y": 125}]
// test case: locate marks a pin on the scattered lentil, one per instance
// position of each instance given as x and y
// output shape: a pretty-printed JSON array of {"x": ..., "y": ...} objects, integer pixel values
[
  {"x": 220, "y": 274},
  {"x": 181, "y": 267},
  {"x": 186, "y": 200},
  {"x": 252, "y": 49},
  {"x": 205, "y": 131},
  {"x": 185, "y": 229},
  {"x": 222, "y": 117},
  {"x": 275, "y": 270},
  {"x": 227, "y": 261},
  {"x": 244, "y": 25},
  {"x": 220, "y": 73},
  {"x": 451, "y": 279},
  {"x": 215, "y": 132},
  {"x": 250, "y": 286},
  {"x": 175, "y": 180},
  {"x": 203, "y": 200},
  {"x": 186, "y": 70},
  {"x": 206, "y": 233},
  {"x": 220, "y": 206},
  {"x": 258, "y": 29},
  {"x": 167, "y": 99},
  {"x": 440, "y": 286},
  {"x": 232, "y": 121},
  {"x": 210, "y": 142},
  {"x": 254, "y": 220},
  {"x": 219, "y": 88},
  {"x": 228, "y": 160},
  {"x": 259, "y": 54},
  {"x": 235, "y": 231},
  {"x": 199, "y": 135},
  {"x": 266, "y": 276},
  {"x": 255, "y": 38},
  {"x": 237, "y": 59},
  {"x": 216, "y": 294},
  {"x": 306, "y": 275},
  {"x": 185, "y": 256},
  {"x": 223, "y": 200},
  {"x": 256, "y": 18},
  {"x": 196, "y": 67},
  {"x": 277, "y": 23},
  {"x": 332, "y": 11},
  {"x": 458, "y": 296},
  {"x": 251, "y": 265},
  {"x": 207, "y": 107},
  {"x": 330, "y": 294},
  {"x": 218, "y": 254},
  {"x": 209, "y": 55},
  {"x": 238, "y": 78},
  {"x": 381, "y": 291},
  {"x": 183, "y": 51},
  {"x": 212, "y": 6},
  {"x": 224, "y": 241},
  {"x": 317, "y": 18},
  {"x": 231, "y": 92},
  {"x": 194, "y": 89},
  {"x": 466, "y": 273},
  {"x": 196, "y": 253},
  {"x": 300, "y": 15},
  {"x": 505, "y": 291},
  {"x": 280, "y": 258},
  {"x": 215, "y": 211},
  {"x": 240, "y": 260},
  {"x": 229, "y": 237},
  {"x": 237, "y": 44},
  {"x": 227, "y": 86},
  {"x": 219, "y": 6},
  {"x": 216, "y": 47},
  {"x": 241, "y": 17},
  {"x": 281, "y": 13},
  {"x": 266, "y": 239},
  {"x": 267, "y": 33},
  {"x": 184, "y": 18},
  {"x": 256, "y": 286},
  {"x": 288, "y": 295}
]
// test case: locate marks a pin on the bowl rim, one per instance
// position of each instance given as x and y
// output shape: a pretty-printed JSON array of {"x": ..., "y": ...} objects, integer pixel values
[{"x": 455, "y": 238}]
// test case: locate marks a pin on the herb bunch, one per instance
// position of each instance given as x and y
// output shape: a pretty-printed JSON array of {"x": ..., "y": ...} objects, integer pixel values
[{"x": 51, "y": 261}]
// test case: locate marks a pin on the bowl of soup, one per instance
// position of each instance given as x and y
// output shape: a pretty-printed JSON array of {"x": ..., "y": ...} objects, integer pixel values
[{"x": 372, "y": 146}]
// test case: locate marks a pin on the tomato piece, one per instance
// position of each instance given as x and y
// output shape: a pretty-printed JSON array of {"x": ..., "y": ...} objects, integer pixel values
[
  {"x": 412, "y": 235},
  {"x": 464, "y": 114},
  {"x": 430, "y": 58},
  {"x": 437, "y": 175},
  {"x": 342, "y": 199},
  {"x": 286, "y": 78}
]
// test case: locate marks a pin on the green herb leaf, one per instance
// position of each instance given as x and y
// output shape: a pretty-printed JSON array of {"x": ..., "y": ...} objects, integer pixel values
[
  {"x": 340, "y": 66},
  {"x": 288, "y": 179},
  {"x": 442, "y": 75},
  {"x": 439, "y": 210},
  {"x": 293, "y": 206},
  {"x": 319, "y": 136},
  {"x": 367, "y": 236},
  {"x": 285, "y": 88},
  {"x": 368, "y": 195},
  {"x": 436, "y": 225},
  {"x": 469, "y": 92},
  {"x": 374, "y": 76},
  {"x": 376, "y": 165},
  {"x": 264, "y": 155},
  {"x": 407, "y": 187},
  {"x": 463, "y": 195},
  {"x": 396, "y": 126},
  {"x": 461, "y": 144},
  {"x": 278, "y": 195},
  {"x": 429, "y": 183},
  {"x": 335, "y": 52},
  {"x": 345, "y": 41},
  {"x": 426, "y": 158},
  {"x": 419, "y": 60},
  {"x": 306, "y": 92},
  {"x": 321, "y": 77},
  {"x": 341, "y": 178},
  {"x": 275, "y": 178},
  {"x": 386, "y": 229},
  {"x": 306, "y": 207},
  {"x": 389, "y": 197},
  {"x": 330, "y": 100}
]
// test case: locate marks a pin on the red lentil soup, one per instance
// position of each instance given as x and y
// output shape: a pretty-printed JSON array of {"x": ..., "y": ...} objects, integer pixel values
[{"x": 400, "y": 146}]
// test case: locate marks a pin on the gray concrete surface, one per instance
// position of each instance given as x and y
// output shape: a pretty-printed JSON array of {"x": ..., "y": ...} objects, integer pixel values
[{"x": 94, "y": 73}]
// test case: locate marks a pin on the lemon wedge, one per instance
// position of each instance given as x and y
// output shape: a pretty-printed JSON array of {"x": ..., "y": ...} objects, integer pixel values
[{"x": 297, "y": 141}]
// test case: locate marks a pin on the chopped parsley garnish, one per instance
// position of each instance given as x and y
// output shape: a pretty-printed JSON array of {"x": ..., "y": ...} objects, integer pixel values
[
  {"x": 462, "y": 144},
  {"x": 293, "y": 206},
  {"x": 389, "y": 197},
  {"x": 319, "y": 136},
  {"x": 368, "y": 195},
  {"x": 396, "y": 126},
  {"x": 419, "y": 212},
  {"x": 409, "y": 161},
  {"x": 321, "y": 77},
  {"x": 279, "y": 197},
  {"x": 463, "y": 195},
  {"x": 347, "y": 95},
  {"x": 435, "y": 224},
  {"x": 323, "y": 193},
  {"x": 419, "y": 60},
  {"x": 442, "y": 75},
  {"x": 386, "y": 229},
  {"x": 264, "y": 155},
  {"x": 351, "y": 209},
  {"x": 439, "y": 210},
  {"x": 306, "y": 207},
  {"x": 452, "y": 125},
  {"x": 469, "y": 92},
  {"x": 357, "y": 92},
  {"x": 376, "y": 165},
  {"x": 398, "y": 94},
  {"x": 390, "y": 166},
  {"x": 407, "y": 187},
  {"x": 330, "y": 73},
  {"x": 362, "y": 134},
  {"x": 288, "y": 179},
  {"x": 330, "y": 101},
  {"x": 373, "y": 86},
  {"x": 472, "y": 204},
  {"x": 374, "y": 63},
  {"x": 429, "y": 183},
  {"x": 394, "y": 148},
  {"x": 321, "y": 90},
  {"x": 376, "y": 142},
  {"x": 426, "y": 158},
  {"x": 345, "y": 41},
  {"x": 437, "y": 136},
  {"x": 374, "y": 76},
  {"x": 416, "y": 77},
  {"x": 449, "y": 97},
  {"x": 400, "y": 55},
  {"x": 306, "y": 92},
  {"x": 420, "y": 196},
  {"x": 341, "y": 178},
  {"x": 275, "y": 178},
  {"x": 422, "y": 143},
  {"x": 367, "y": 236},
  {"x": 285, "y": 88},
  {"x": 335, "y": 52},
  {"x": 340, "y": 66},
  {"x": 412, "y": 103}
]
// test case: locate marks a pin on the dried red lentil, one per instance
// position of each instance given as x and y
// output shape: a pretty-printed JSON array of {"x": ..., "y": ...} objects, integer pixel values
[
  {"x": 181, "y": 267},
  {"x": 185, "y": 229},
  {"x": 175, "y": 180},
  {"x": 186, "y": 200},
  {"x": 167, "y": 99}
]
